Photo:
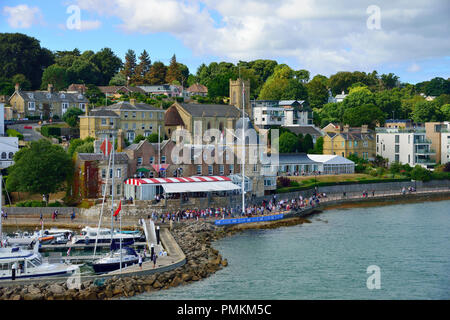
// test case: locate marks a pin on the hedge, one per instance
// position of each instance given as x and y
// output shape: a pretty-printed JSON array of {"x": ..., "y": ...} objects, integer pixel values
[
  {"x": 14, "y": 133},
  {"x": 328, "y": 184},
  {"x": 48, "y": 131}
]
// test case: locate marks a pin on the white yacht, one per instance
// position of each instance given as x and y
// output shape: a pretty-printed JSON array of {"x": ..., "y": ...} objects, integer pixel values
[
  {"x": 89, "y": 234},
  {"x": 29, "y": 264},
  {"x": 112, "y": 260}
]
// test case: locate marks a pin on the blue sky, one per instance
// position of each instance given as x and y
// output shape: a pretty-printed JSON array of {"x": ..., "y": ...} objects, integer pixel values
[{"x": 321, "y": 36}]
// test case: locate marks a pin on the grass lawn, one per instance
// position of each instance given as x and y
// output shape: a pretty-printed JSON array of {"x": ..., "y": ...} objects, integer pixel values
[{"x": 335, "y": 178}]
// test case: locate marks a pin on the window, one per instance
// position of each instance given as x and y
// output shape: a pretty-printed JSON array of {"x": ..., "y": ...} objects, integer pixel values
[
  {"x": 143, "y": 115},
  {"x": 152, "y": 160},
  {"x": 103, "y": 173},
  {"x": 378, "y": 138},
  {"x": 255, "y": 168},
  {"x": 397, "y": 138},
  {"x": 125, "y": 114},
  {"x": 134, "y": 114},
  {"x": 3, "y": 155},
  {"x": 151, "y": 115},
  {"x": 409, "y": 158},
  {"x": 82, "y": 106},
  {"x": 356, "y": 143},
  {"x": 110, "y": 173},
  {"x": 118, "y": 172},
  {"x": 231, "y": 168},
  {"x": 221, "y": 169},
  {"x": 139, "y": 161},
  {"x": 118, "y": 189},
  {"x": 143, "y": 126},
  {"x": 350, "y": 144},
  {"x": 125, "y": 126},
  {"x": 11, "y": 155},
  {"x": 163, "y": 159},
  {"x": 365, "y": 144},
  {"x": 343, "y": 144},
  {"x": 31, "y": 105},
  {"x": 103, "y": 121},
  {"x": 397, "y": 148},
  {"x": 409, "y": 139},
  {"x": 210, "y": 170},
  {"x": 134, "y": 127},
  {"x": 64, "y": 107},
  {"x": 199, "y": 169},
  {"x": 397, "y": 158}
]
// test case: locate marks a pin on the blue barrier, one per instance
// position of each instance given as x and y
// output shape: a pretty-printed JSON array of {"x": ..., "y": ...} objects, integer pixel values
[{"x": 249, "y": 220}]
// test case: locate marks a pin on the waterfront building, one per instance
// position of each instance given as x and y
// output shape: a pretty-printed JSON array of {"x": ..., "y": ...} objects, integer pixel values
[
  {"x": 267, "y": 113},
  {"x": 130, "y": 118},
  {"x": 345, "y": 141},
  {"x": 398, "y": 124},
  {"x": 45, "y": 104},
  {"x": 406, "y": 146},
  {"x": 436, "y": 132},
  {"x": 92, "y": 172},
  {"x": 445, "y": 143},
  {"x": 196, "y": 89},
  {"x": 168, "y": 90}
]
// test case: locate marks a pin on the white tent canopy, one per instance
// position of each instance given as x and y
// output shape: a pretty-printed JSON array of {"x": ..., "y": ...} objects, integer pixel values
[
  {"x": 329, "y": 159},
  {"x": 199, "y": 187}
]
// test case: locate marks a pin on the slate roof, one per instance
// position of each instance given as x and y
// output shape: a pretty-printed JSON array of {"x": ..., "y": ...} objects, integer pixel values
[
  {"x": 294, "y": 158},
  {"x": 197, "y": 87},
  {"x": 173, "y": 118},
  {"x": 304, "y": 130},
  {"x": 100, "y": 112},
  {"x": 127, "y": 106},
  {"x": 118, "y": 157},
  {"x": 115, "y": 89},
  {"x": 46, "y": 96},
  {"x": 212, "y": 110}
]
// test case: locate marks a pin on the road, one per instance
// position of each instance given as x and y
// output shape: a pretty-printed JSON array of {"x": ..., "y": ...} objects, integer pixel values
[{"x": 28, "y": 134}]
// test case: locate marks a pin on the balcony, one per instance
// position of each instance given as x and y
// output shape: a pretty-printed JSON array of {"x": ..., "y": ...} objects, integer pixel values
[
  {"x": 424, "y": 151},
  {"x": 424, "y": 161},
  {"x": 422, "y": 141}
]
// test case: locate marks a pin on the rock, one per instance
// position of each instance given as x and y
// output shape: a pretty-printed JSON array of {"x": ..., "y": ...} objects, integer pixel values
[
  {"x": 56, "y": 289},
  {"x": 16, "y": 297},
  {"x": 30, "y": 296},
  {"x": 175, "y": 282},
  {"x": 33, "y": 290},
  {"x": 224, "y": 263},
  {"x": 157, "y": 285},
  {"x": 186, "y": 277}
]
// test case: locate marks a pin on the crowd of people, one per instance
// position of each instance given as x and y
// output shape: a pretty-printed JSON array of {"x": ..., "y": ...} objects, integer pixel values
[{"x": 265, "y": 207}]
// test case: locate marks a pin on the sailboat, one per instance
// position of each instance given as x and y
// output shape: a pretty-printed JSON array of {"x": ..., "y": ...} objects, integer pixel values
[{"x": 118, "y": 257}]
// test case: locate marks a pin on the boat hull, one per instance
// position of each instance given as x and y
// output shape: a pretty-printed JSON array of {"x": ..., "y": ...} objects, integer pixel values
[{"x": 108, "y": 267}]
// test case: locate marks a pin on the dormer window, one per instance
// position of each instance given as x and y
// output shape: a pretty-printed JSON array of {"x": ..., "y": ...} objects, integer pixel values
[
  {"x": 62, "y": 96},
  {"x": 30, "y": 95},
  {"x": 80, "y": 97},
  {"x": 48, "y": 95}
]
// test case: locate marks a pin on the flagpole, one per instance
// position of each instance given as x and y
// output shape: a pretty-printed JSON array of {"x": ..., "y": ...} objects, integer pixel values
[
  {"x": 112, "y": 193},
  {"x": 243, "y": 148}
]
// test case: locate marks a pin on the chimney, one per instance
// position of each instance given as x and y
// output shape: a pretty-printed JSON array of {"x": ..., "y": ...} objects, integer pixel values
[
  {"x": 346, "y": 128},
  {"x": 50, "y": 88},
  {"x": 133, "y": 102},
  {"x": 364, "y": 128},
  {"x": 17, "y": 87}
]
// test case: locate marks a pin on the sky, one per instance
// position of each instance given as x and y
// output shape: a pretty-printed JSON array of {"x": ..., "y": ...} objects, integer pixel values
[{"x": 410, "y": 38}]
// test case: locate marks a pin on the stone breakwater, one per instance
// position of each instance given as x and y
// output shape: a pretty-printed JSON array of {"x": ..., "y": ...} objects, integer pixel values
[{"x": 194, "y": 239}]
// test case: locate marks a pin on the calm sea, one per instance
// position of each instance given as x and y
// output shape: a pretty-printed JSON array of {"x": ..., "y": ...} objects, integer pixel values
[{"x": 328, "y": 259}]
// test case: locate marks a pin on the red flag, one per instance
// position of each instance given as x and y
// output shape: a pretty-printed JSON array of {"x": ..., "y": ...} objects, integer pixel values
[
  {"x": 106, "y": 147},
  {"x": 68, "y": 251},
  {"x": 118, "y": 209}
]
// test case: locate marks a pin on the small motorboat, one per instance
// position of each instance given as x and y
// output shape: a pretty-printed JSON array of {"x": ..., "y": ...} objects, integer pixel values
[
  {"x": 89, "y": 235},
  {"x": 22, "y": 238},
  {"x": 29, "y": 264}
]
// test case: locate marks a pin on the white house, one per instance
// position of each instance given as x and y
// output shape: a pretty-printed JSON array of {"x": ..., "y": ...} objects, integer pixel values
[
  {"x": 406, "y": 146},
  {"x": 8, "y": 147},
  {"x": 445, "y": 144},
  {"x": 268, "y": 113}
]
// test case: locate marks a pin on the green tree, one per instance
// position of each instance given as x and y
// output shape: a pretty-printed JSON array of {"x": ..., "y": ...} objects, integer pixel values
[
  {"x": 368, "y": 114},
  {"x": 307, "y": 143},
  {"x": 317, "y": 92},
  {"x": 21, "y": 54},
  {"x": 157, "y": 73},
  {"x": 153, "y": 138},
  {"x": 24, "y": 83},
  {"x": 445, "y": 110},
  {"x": 6, "y": 87},
  {"x": 71, "y": 116},
  {"x": 107, "y": 63},
  {"x": 55, "y": 75},
  {"x": 282, "y": 84},
  {"x": 119, "y": 79},
  {"x": 389, "y": 81},
  {"x": 173, "y": 71},
  {"x": 426, "y": 111},
  {"x": 389, "y": 104},
  {"x": 86, "y": 147},
  {"x": 287, "y": 142},
  {"x": 142, "y": 68},
  {"x": 318, "y": 147},
  {"x": 138, "y": 138},
  {"x": 84, "y": 71},
  {"x": 420, "y": 174},
  {"x": 41, "y": 168}
]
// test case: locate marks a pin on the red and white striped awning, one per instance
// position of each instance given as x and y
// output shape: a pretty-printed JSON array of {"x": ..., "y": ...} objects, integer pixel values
[{"x": 139, "y": 182}]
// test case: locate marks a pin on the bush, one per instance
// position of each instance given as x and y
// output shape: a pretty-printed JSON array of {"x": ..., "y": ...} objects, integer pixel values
[
  {"x": 48, "y": 131},
  {"x": 283, "y": 182},
  {"x": 14, "y": 133},
  {"x": 31, "y": 203},
  {"x": 421, "y": 174}
]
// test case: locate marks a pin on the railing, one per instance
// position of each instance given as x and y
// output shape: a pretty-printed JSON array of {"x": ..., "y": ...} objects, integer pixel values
[{"x": 419, "y": 151}]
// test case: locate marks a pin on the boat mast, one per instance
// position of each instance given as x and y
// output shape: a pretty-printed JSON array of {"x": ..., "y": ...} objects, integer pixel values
[
  {"x": 243, "y": 149},
  {"x": 1, "y": 216},
  {"x": 112, "y": 194}
]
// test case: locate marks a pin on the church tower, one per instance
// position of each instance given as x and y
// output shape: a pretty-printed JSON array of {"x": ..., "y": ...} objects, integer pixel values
[{"x": 236, "y": 95}]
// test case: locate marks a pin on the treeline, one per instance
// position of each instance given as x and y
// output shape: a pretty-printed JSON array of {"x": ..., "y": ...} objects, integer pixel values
[{"x": 371, "y": 97}]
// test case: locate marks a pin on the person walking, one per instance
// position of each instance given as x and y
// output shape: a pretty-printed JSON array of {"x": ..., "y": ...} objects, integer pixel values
[
  {"x": 140, "y": 262},
  {"x": 155, "y": 256}
]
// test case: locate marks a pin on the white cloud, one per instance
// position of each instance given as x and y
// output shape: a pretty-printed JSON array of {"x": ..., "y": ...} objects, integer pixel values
[
  {"x": 23, "y": 16},
  {"x": 414, "y": 68},
  {"x": 322, "y": 36}
]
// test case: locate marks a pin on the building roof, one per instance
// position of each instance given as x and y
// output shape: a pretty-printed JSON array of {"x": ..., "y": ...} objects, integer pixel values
[
  {"x": 329, "y": 159},
  {"x": 118, "y": 157},
  {"x": 127, "y": 106},
  {"x": 304, "y": 130},
  {"x": 211, "y": 110},
  {"x": 115, "y": 89},
  {"x": 294, "y": 158},
  {"x": 100, "y": 112},
  {"x": 52, "y": 97},
  {"x": 197, "y": 87},
  {"x": 172, "y": 117}
]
